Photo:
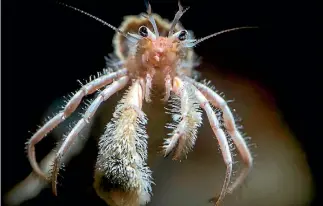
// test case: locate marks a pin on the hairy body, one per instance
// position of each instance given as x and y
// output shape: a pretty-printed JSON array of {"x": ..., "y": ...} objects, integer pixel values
[{"x": 149, "y": 52}]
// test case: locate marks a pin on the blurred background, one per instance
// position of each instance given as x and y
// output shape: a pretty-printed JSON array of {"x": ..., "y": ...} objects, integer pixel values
[{"x": 269, "y": 73}]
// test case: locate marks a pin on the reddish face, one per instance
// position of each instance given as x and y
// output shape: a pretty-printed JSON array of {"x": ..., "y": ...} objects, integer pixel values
[
  {"x": 160, "y": 52},
  {"x": 157, "y": 53}
]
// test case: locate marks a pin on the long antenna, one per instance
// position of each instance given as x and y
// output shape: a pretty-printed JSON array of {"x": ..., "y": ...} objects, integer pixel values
[
  {"x": 193, "y": 43},
  {"x": 98, "y": 19}
]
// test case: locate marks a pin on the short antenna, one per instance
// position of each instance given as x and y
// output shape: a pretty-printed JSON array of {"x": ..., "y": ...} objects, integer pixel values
[
  {"x": 178, "y": 15},
  {"x": 151, "y": 18}
]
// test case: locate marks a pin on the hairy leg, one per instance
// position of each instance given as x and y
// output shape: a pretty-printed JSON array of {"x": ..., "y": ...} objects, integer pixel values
[
  {"x": 217, "y": 101},
  {"x": 220, "y": 135},
  {"x": 103, "y": 96},
  {"x": 122, "y": 176},
  {"x": 187, "y": 118},
  {"x": 70, "y": 107}
]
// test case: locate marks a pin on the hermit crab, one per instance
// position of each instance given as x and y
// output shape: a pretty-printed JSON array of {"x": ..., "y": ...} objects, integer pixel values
[{"x": 150, "y": 53}]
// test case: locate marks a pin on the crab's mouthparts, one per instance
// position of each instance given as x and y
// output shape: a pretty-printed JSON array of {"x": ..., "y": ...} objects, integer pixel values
[{"x": 157, "y": 58}]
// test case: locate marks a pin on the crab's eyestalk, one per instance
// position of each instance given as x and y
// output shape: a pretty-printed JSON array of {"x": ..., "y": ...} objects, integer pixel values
[
  {"x": 144, "y": 32},
  {"x": 182, "y": 35}
]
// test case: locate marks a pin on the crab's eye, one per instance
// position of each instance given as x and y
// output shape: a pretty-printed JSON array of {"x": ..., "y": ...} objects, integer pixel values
[
  {"x": 143, "y": 31},
  {"x": 182, "y": 36}
]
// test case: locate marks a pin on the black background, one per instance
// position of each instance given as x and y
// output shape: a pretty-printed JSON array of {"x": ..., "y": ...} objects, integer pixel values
[{"x": 46, "y": 47}]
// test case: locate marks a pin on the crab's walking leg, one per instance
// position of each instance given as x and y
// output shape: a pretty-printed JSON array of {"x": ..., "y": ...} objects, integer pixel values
[
  {"x": 70, "y": 107},
  {"x": 217, "y": 101},
  {"x": 223, "y": 142},
  {"x": 184, "y": 135},
  {"x": 220, "y": 135},
  {"x": 32, "y": 185},
  {"x": 172, "y": 142},
  {"x": 103, "y": 96}
]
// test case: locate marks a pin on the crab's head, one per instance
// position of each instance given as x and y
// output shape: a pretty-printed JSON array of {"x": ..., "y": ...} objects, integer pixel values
[{"x": 161, "y": 52}]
